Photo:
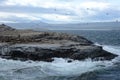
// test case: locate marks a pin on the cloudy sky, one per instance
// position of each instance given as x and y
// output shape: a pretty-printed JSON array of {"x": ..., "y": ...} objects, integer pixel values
[{"x": 59, "y": 11}]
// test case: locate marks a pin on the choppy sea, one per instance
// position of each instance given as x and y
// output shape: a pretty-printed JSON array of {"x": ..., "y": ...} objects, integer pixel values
[{"x": 76, "y": 70}]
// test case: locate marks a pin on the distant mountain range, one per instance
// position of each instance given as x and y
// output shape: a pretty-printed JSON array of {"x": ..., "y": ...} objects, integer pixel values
[{"x": 72, "y": 26}]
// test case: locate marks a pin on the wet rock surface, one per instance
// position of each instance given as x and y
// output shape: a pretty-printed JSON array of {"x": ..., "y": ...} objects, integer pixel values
[{"x": 44, "y": 46}]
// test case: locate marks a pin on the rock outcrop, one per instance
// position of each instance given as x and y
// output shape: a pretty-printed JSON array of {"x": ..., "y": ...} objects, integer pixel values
[
  {"x": 4, "y": 27},
  {"x": 44, "y": 46}
]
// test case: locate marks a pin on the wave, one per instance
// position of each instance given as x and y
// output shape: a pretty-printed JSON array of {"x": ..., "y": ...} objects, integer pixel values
[
  {"x": 11, "y": 70},
  {"x": 30, "y": 70},
  {"x": 109, "y": 48},
  {"x": 112, "y": 49}
]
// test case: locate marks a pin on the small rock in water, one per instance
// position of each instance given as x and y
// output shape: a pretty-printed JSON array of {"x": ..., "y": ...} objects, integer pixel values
[{"x": 69, "y": 61}]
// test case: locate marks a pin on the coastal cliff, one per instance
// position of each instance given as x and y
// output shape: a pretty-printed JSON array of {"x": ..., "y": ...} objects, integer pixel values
[{"x": 44, "y": 46}]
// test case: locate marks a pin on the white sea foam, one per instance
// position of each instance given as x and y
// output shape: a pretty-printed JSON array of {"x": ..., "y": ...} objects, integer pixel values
[
  {"x": 109, "y": 48},
  {"x": 29, "y": 70},
  {"x": 112, "y": 49}
]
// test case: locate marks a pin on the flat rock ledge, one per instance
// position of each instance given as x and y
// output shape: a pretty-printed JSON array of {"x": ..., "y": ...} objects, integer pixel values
[{"x": 44, "y": 46}]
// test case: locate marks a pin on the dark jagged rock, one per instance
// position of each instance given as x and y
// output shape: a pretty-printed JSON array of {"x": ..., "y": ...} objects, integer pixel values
[
  {"x": 44, "y": 46},
  {"x": 45, "y": 52},
  {"x": 4, "y": 27}
]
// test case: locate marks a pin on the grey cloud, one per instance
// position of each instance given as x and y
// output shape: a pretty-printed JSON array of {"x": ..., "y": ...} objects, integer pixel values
[
  {"x": 15, "y": 19},
  {"x": 109, "y": 14},
  {"x": 20, "y": 9}
]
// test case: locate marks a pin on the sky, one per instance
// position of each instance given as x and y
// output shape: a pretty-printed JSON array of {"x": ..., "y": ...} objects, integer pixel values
[{"x": 59, "y": 11}]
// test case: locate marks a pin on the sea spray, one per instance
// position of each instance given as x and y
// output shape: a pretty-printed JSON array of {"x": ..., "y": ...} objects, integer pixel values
[{"x": 30, "y": 70}]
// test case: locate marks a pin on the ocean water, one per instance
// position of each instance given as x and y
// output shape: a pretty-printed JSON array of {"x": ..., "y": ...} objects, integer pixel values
[
  {"x": 103, "y": 37},
  {"x": 76, "y": 70}
]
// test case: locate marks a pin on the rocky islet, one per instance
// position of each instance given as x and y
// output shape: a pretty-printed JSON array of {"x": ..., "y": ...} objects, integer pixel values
[{"x": 44, "y": 46}]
